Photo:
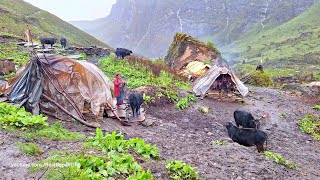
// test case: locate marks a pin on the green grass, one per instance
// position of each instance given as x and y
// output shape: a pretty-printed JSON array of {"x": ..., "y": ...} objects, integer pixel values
[
  {"x": 279, "y": 159},
  {"x": 310, "y": 125},
  {"x": 12, "y": 51},
  {"x": 178, "y": 170},
  {"x": 53, "y": 132},
  {"x": 16, "y": 14},
  {"x": 293, "y": 45},
  {"x": 31, "y": 149},
  {"x": 138, "y": 75}
]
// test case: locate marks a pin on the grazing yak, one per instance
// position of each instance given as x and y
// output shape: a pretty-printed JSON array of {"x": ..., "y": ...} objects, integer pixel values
[
  {"x": 50, "y": 41},
  {"x": 122, "y": 52},
  {"x": 247, "y": 136},
  {"x": 135, "y": 101},
  {"x": 63, "y": 42}
]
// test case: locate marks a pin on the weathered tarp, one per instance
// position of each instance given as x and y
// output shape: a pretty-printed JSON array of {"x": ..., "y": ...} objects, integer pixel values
[
  {"x": 202, "y": 84},
  {"x": 62, "y": 80},
  {"x": 196, "y": 68}
]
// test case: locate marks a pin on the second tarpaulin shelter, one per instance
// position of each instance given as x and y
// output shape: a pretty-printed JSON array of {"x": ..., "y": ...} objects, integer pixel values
[
  {"x": 207, "y": 80},
  {"x": 60, "y": 87}
]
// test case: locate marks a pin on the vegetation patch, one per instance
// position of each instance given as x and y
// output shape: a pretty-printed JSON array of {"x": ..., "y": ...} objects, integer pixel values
[
  {"x": 316, "y": 107},
  {"x": 11, "y": 115},
  {"x": 31, "y": 149},
  {"x": 116, "y": 142},
  {"x": 279, "y": 159},
  {"x": 183, "y": 103},
  {"x": 139, "y": 72},
  {"x": 178, "y": 170},
  {"x": 218, "y": 142},
  {"x": 310, "y": 125},
  {"x": 12, "y": 51},
  {"x": 260, "y": 78},
  {"x": 53, "y": 132},
  {"x": 22, "y": 123},
  {"x": 66, "y": 165}
]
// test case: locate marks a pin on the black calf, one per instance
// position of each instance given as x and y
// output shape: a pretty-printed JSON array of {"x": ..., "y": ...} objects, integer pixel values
[
  {"x": 135, "y": 101},
  {"x": 247, "y": 137}
]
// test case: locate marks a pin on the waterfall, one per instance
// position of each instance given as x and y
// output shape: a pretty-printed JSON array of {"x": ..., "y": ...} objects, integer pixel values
[
  {"x": 180, "y": 20},
  {"x": 225, "y": 9}
]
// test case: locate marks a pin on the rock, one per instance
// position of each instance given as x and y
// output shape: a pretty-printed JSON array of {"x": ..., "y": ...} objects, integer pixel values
[
  {"x": 6, "y": 67},
  {"x": 90, "y": 51}
]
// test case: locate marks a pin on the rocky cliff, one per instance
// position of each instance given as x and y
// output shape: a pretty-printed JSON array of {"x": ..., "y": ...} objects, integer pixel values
[
  {"x": 148, "y": 26},
  {"x": 185, "y": 49}
]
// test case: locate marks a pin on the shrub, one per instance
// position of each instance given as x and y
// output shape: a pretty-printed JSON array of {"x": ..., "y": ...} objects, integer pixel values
[{"x": 260, "y": 78}]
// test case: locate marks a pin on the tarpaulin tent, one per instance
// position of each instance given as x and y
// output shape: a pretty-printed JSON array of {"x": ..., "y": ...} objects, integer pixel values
[
  {"x": 58, "y": 86},
  {"x": 203, "y": 83}
]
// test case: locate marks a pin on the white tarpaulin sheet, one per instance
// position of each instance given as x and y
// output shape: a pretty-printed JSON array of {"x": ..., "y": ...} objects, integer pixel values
[{"x": 203, "y": 83}]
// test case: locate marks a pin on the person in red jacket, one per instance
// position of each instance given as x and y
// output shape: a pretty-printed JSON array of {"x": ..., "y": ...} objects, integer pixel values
[{"x": 119, "y": 89}]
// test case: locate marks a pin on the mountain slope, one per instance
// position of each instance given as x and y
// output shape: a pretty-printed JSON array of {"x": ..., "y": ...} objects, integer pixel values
[
  {"x": 16, "y": 14},
  {"x": 294, "y": 43},
  {"x": 148, "y": 27}
]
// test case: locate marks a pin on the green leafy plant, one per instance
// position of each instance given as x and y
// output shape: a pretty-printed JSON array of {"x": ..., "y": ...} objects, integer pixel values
[
  {"x": 172, "y": 95},
  {"x": 183, "y": 103},
  {"x": 279, "y": 159},
  {"x": 148, "y": 99},
  {"x": 141, "y": 72},
  {"x": 218, "y": 142},
  {"x": 11, "y": 115},
  {"x": 316, "y": 107},
  {"x": 179, "y": 170},
  {"x": 310, "y": 125},
  {"x": 31, "y": 149},
  {"x": 114, "y": 165},
  {"x": 116, "y": 142}
]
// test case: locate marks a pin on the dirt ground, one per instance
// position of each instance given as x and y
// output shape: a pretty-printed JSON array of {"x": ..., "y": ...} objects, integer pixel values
[{"x": 187, "y": 135}]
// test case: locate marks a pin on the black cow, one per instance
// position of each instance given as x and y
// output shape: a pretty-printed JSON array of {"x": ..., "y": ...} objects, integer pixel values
[
  {"x": 135, "y": 101},
  {"x": 122, "y": 52},
  {"x": 247, "y": 137},
  {"x": 50, "y": 41},
  {"x": 63, "y": 42},
  {"x": 245, "y": 119}
]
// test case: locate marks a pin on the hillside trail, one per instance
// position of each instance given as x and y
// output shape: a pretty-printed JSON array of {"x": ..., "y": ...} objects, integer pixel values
[{"x": 188, "y": 135}]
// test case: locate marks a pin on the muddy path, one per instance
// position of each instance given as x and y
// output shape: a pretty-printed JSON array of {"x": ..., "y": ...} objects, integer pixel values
[{"x": 187, "y": 135}]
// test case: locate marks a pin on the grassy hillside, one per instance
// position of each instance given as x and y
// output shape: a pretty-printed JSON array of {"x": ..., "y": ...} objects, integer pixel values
[
  {"x": 294, "y": 45},
  {"x": 16, "y": 14}
]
